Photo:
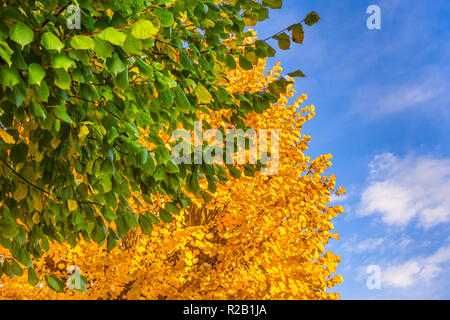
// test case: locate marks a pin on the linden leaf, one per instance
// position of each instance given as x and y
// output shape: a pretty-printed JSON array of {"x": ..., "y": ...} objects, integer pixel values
[
  {"x": 203, "y": 94},
  {"x": 35, "y": 73},
  {"x": 21, "y": 33},
  {"x": 72, "y": 205},
  {"x": 20, "y": 193},
  {"x": 113, "y": 36},
  {"x": 144, "y": 29},
  {"x": 50, "y": 42},
  {"x": 82, "y": 43}
]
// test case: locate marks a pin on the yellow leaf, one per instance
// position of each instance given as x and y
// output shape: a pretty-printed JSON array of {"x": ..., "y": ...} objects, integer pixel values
[
  {"x": 84, "y": 131},
  {"x": 203, "y": 94},
  {"x": 36, "y": 218},
  {"x": 6, "y": 137},
  {"x": 72, "y": 204}
]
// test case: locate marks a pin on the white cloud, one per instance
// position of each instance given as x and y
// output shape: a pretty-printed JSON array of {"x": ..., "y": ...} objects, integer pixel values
[
  {"x": 416, "y": 271},
  {"x": 401, "y": 276},
  {"x": 401, "y": 190},
  {"x": 409, "y": 96}
]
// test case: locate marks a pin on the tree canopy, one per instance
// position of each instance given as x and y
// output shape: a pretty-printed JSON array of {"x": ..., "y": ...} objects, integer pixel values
[
  {"x": 86, "y": 114},
  {"x": 259, "y": 237}
]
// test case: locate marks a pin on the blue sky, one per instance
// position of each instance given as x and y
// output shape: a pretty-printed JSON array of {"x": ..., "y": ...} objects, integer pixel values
[{"x": 382, "y": 101}]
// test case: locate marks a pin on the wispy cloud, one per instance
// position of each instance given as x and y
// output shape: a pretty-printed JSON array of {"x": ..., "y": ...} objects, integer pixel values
[
  {"x": 416, "y": 271},
  {"x": 380, "y": 244},
  {"x": 400, "y": 190}
]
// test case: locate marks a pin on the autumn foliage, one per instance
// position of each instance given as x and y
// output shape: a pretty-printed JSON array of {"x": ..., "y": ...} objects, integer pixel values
[{"x": 258, "y": 237}]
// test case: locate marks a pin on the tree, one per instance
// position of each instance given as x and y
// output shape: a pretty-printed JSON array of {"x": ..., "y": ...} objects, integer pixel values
[
  {"x": 79, "y": 108},
  {"x": 258, "y": 237}
]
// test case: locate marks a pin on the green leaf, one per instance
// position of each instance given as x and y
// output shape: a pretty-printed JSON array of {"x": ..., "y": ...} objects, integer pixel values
[
  {"x": 193, "y": 185},
  {"x": 165, "y": 216},
  {"x": 9, "y": 77},
  {"x": 62, "y": 62},
  {"x": 245, "y": 63},
  {"x": 112, "y": 240},
  {"x": 144, "y": 67},
  {"x": 206, "y": 196},
  {"x": 7, "y": 269},
  {"x": 35, "y": 73},
  {"x": 8, "y": 229},
  {"x": 37, "y": 110},
  {"x": 51, "y": 43},
  {"x": 273, "y": 4},
  {"x": 298, "y": 74},
  {"x": 144, "y": 29},
  {"x": 162, "y": 155},
  {"x": 165, "y": 17},
  {"x": 234, "y": 172},
  {"x": 113, "y": 36},
  {"x": 172, "y": 207},
  {"x": 146, "y": 224},
  {"x": 103, "y": 48},
  {"x": 132, "y": 45},
  {"x": 54, "y": 283},
  {"x": 312, "y": 18},
  {"x": 19, "y": 153},
  {"x": 230, "y": 62},
  {"x": 61, "y": 113},
  {"x": 6, "y": 52},
  {"x": 181, "y": 100},
  {"x": 116, "y": 65},
  {"x": 186, "y": 62},
  {"x": 99, "y": 233},
  {"x": 33, "y": 279},
  {"x": 18, "y": 271},
  {"x": 62, "y": 79},
  {"x": 24, "y": 258},
  {"x": 42, "y": 91},
  {"x": 21, "y": 33},
  {"x": 284, "y": 41},
  {"x": 279, "y": 86},
  {"x": 82, "y": 43}
]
